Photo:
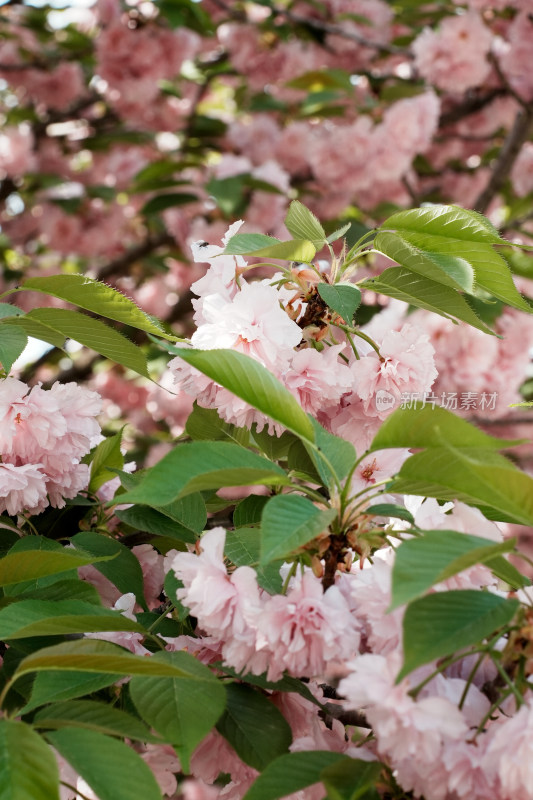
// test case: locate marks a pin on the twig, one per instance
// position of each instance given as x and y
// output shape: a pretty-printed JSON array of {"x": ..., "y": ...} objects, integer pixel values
[
  {"x": 503, "y": 78},
  {"x": 508, "y": 154},
  {"x": 322, "y": 26},
  {"x": 472, "y": 104},
  {"x": 339, "y": 30},
  {"x": 411, "y": 192},
  {"x": 121, "y": 265},
  {"x": 333, "y": 711},
  {"x": 78, "y": 371}
]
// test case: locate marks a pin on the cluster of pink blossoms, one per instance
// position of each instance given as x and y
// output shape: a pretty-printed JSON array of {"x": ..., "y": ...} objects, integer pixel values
[
  {"x": 43, "y": 437},
  {"x": 438, "y": 744},
  {"x": 265, "y": 321}
]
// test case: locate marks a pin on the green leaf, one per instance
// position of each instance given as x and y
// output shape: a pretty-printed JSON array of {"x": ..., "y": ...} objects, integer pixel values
[
  {"x": 247, "y": 243},
  {"x": 254, "y": 384},
  {"x": 204, "y": 423},
  {"x": 390, "y": 510},
  {"x": 424, "y": 426},
  {"x": 333, "y": 237},
  {"x": 249, "y": 510},
  {"x": 27, "y": 618},
  {"x": 437, "y": 555},
  {"x": 9, "y": 310},
  {"x": 273, "y": 447},
  {"x": 28, "y": 769},
  {"x": 18, "y": 567},
  {"x": 95, "y": 296},
  {"x": 490, "y": 269},
  {"x": 292, "y": 773},
  {"x": 256, "y": 744},
  {"x": 447, "y": 622},
  {"x": 202, "y": 465},
  {"x": 93, "y": 716},
  {"x": 116, "y": 562},
  {"x": 107, "y": 454},
  {"x": 333, "y": 456},
  {"x": 169, "y": 200},
  {"x": 302, "y": 224},
  {"x": 190, "y": 511},
  {"x": 243, "y": 549},
  {"x": 13, "y": 341},
  {"x": 352, "y": 779},
  {"x": 183, "y": 710},
  {"x": 457, "y": 232},
  {"x": 144, "y": 518},
  {"x": 450, "y": 270},
  {"x": 94, "y": 655},
  {"x": 343, "y": 298},
  {"x": 112, "y": 769},
  {"x": 243, "y": 546},
  {"x": 421, "y": 292},
  {"x": 261, "y": 246},
  {"x": 91, "y": 333},
  {"x": 290, "y": 521},
  {"x": 447, "y": 221},
  {"x": 508, "y": 573},
  {"x": 477, "y": 476},
  {"x": 228, "y": 194},
  {"x": 72, "y": 588},
  {"x": 302, "y": 465},
  {"x": 38, "y": 331},
  {"x": 49, "y": 687}
]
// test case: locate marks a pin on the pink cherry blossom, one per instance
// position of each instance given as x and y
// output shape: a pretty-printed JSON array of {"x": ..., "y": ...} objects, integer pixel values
[
  {"x": 16, "y": 151},
  {"x": 198, "y": 790},
  {"x": 153, "y": 573},
  {"x": 408, "y": 731},
  {"x": 454, "y": 57},
  {"x": 307, "y": 628},
  {"x": 49, "y": 430},
  {"x": 227, "y": 607},
  {"x": 522, "y": 172},
  {"x": 318, "y": 379},
  {"x": 405, "y": 365},
  {"x": 510, "y": 753},
  {"x": 517, "y": 58},
  {"x": 163, "y": 762},
  {"x": 377, "y": 467},
  {"x": 22, "y": 488},
  {"x": 252, "y": 323},
  {"x": 369, "y": 590}
]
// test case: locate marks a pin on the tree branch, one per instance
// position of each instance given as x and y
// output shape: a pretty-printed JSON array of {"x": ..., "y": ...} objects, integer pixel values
[
  {"x": 121, "y": 265},
  {"x": 321, "y": 26},
  {"x": 339, "y": 30},
  {"x": 476, "y": 102},
  {"x": 333, "y": 711},
  {"x": 508, "y": 154}
]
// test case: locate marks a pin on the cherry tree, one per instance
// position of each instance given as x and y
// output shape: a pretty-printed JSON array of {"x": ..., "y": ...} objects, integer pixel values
[{"x": 262, "y": 534}]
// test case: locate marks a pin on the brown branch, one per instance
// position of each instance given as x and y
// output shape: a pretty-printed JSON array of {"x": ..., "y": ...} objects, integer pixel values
[
  {"x": 7, "y": 187},
  {"x": 503, "y": 79},
  {"x": 22, "y": 67},
  {"x": 516, "y": 137},
  {"x": 333, "y": 711},
  {"x": 121, "y": 265},
  {"x": 339, "y": 30},
  {"x": 321, "y": 26},
  {"x": 472, "y": 104},
  {"x": 415, "y": 199},
  {"x": 79, "y": 370}
]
